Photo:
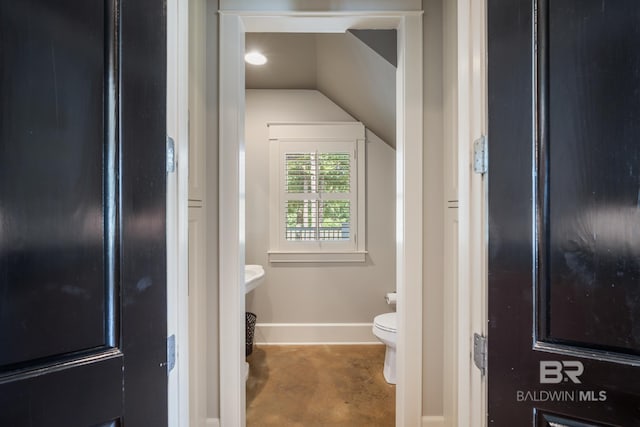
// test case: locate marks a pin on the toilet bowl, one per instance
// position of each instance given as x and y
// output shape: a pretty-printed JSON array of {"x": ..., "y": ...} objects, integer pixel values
[{"x": 385, "y": 329}]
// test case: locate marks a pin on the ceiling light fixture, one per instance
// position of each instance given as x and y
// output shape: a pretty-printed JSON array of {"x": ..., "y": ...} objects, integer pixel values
[{"x": 255, "y": 58}]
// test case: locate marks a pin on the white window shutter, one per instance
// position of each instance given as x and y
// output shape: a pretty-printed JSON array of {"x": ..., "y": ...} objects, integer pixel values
[{"x": 316, "y": 189}]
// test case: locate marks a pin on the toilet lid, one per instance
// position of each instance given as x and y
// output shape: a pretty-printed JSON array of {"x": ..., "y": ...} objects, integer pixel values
[{"x": 386, "y": 322}]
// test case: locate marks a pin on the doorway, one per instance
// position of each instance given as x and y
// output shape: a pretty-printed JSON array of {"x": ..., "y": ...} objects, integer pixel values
[{"x": 233, "y": 25}]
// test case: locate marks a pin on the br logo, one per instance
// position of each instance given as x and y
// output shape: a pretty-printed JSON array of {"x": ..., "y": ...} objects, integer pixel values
[{"x": 555, "y": 372}]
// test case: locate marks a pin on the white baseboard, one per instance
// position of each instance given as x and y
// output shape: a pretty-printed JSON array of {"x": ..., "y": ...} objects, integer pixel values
[
  {"x": 314, "y": 333},
  {"x": 433, "y": 421},
  {"x": 212, "y": 422}
]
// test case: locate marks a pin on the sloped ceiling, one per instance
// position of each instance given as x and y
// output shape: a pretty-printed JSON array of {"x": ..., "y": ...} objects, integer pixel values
[{"x": 341, "y": 66}]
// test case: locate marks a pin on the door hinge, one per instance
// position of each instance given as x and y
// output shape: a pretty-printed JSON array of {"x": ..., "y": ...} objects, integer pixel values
[
  {"x": 171, "y": 155},
  {"x": 480, "y": 155},
  {"x": 480, "y": 352},
  {"x": 171, "y": 353}
]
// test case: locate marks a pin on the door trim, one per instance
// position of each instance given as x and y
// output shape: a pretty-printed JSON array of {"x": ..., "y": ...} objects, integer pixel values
[
  {"x": 177, "y": 208},
  {"x": 409, "y": 210},
  {"x": 470, "y": 314}
]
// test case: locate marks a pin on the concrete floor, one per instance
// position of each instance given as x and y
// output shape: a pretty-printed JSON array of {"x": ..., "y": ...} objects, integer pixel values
[{"x": 325, "y": 385}]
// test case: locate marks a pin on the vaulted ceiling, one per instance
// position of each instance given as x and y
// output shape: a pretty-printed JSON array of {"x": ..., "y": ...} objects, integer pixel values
[{"x": 359, "y": 78}]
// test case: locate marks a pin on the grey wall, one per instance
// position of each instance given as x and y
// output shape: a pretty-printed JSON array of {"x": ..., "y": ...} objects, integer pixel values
[
  {"x": 434, "y": 205},
  {"x": 203, "y": 129},
  {"x": 325, "y": 292},
  {"x": 360, "y": 81},
  {"x": 291, "y": 61},
  {"x": 203, "y": 354}
]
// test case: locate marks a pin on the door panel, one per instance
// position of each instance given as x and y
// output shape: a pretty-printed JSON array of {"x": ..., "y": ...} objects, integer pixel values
[
  {"x": 51, "y": 182},
  {"x": 553, "y": 420},
  {"x": 82, "y": 213},
  {"x": 592, "y": 157},
  {"x": 82, "y": 392},
  {"x": 564, "y": 212}
]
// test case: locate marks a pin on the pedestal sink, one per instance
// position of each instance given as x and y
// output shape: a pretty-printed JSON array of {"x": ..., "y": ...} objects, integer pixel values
[{"x": 253, "y": 277}]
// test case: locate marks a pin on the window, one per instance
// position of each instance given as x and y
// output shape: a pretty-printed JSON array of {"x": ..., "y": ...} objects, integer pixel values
[{"x": 317, "y": 192}]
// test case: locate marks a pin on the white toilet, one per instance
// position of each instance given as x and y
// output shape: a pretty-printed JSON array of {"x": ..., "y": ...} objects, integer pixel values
[{"x": 385, "y": 329}]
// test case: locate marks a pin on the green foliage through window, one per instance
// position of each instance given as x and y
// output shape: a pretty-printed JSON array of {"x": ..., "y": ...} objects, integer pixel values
[{"x": 316, "y": 218}]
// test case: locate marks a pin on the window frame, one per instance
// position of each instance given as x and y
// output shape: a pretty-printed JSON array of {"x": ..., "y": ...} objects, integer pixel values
[{"x": 283, "y": 137}]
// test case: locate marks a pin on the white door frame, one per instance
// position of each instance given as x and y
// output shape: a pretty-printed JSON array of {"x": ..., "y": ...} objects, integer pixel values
[
  {"x": 177, "y": 209},
  {"x": 471, "y": 303},
  {"x": 409, "y": 209}
]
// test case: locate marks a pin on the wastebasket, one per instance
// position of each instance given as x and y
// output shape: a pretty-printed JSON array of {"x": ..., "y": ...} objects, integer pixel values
[{"x": 251, "y": 329}]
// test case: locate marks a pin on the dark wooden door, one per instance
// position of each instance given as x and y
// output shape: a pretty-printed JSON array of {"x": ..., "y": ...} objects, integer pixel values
[
  {"x": 82, "y": 213},
  {"x": 564, "y": 212}
]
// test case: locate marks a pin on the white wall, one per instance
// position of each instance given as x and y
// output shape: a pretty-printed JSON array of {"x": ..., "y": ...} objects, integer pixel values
[{"x": 317, "y": 293}]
